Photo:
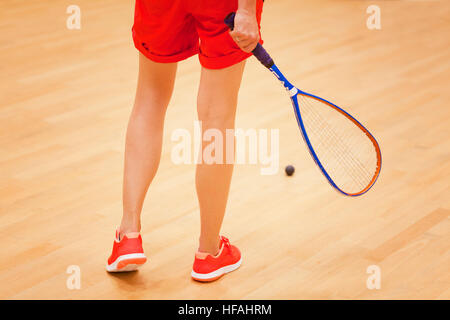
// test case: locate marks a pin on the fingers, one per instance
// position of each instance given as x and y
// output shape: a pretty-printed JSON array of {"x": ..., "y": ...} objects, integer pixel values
[
  {"x": 247, "y": 42},
  {"x": 248, "y": 47}
]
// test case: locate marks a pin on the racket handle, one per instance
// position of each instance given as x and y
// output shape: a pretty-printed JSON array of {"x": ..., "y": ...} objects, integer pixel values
[{"x": 259, "y": 52}]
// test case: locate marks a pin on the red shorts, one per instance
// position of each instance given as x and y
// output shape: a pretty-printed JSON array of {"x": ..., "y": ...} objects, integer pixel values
[{"x": 173, "y": 30}]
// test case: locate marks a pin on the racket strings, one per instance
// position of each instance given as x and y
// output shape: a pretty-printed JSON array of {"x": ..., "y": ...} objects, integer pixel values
[
  {"x": 354, "y": 172},
  {"x": 356, "y": 175},
  {"x": 335, "y": 139},
  {"x": 322, "y": 128},
  {"x": 345, "y": 151},
  {"x": 353, "y": 169}
]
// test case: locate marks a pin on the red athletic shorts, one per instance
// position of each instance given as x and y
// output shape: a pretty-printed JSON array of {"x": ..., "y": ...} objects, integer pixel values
[{"x": 173, "y": 30}]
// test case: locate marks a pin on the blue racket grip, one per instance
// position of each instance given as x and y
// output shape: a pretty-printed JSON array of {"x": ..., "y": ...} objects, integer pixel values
[{"x": 259, "y": 52}]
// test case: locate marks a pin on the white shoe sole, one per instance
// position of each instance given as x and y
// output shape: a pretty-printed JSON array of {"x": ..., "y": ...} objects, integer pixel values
[
  {"x": 217, "y": 273},
  {"x": 129, "y": 267}
]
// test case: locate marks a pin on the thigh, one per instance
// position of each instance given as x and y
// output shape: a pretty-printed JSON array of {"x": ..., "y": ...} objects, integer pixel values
[
  {"x": 164, "y": 31},
  {"x": 155, "y": 84},
  {"x": 217, "y": 97}
]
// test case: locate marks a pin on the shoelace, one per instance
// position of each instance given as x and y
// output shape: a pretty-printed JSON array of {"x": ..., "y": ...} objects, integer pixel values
[{"x": 226, "y": 241}]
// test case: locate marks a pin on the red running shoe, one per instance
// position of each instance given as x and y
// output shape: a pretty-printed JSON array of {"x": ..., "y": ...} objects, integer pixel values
[
  {"x": 127, "y": 253},
  {"x": 209, "y": 268}
]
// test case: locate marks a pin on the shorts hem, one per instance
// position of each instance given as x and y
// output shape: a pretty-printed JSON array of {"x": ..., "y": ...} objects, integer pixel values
[
  {"x": 223, "y": 61},
  {"x": 169, "y": 58}
]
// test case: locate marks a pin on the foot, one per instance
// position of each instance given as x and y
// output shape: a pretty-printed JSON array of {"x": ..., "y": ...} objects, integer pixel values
[
  {"x": 127, "y": 253},
  {"x": 209, "y": 268}
]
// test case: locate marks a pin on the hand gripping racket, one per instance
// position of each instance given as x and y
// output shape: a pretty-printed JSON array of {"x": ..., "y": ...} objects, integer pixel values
[{"x": 344, "y": 150}]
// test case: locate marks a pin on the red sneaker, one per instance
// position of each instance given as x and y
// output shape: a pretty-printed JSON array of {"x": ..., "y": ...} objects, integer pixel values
[
  {"x": 127, "y": 253},
  {"x": 209, "y": 268}
]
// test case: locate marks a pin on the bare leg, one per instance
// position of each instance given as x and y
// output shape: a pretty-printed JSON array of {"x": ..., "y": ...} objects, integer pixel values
[
  {"x": 217, "y": 100},
  {"x": 144, "y": 137}
]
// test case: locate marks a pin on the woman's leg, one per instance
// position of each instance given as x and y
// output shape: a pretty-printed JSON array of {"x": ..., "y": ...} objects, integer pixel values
[
  {"x": 217, "y": 100},
  {"x": 144, "y": 137}
]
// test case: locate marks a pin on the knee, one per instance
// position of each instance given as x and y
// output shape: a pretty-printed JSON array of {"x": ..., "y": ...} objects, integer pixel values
[
  {"x": 219, "y": 121},
  {"x": 150, "y": 109},
  {"x": 217, "y": 116}
]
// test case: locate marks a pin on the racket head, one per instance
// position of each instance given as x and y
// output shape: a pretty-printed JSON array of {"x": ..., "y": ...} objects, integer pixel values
[{"x": 374, "y": 168}]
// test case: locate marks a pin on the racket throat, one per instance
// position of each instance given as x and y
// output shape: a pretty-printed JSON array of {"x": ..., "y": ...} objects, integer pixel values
[
  {"x": 293, "y": 92},
  {"x": 286, "y": 84}
]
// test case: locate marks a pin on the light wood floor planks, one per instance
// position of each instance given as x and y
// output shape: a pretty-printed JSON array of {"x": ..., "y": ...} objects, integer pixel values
[{"x": 65, "y": 97}]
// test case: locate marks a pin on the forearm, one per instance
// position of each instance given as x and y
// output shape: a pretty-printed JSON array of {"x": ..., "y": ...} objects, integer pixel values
[{"x": 247, "y": 5}]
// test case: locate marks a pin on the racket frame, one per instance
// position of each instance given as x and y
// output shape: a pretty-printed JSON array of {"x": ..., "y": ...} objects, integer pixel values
[{"x": 294, "y": 92}]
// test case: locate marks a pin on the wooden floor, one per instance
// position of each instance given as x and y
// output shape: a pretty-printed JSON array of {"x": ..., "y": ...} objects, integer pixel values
[{"x": 65, "y": 97}]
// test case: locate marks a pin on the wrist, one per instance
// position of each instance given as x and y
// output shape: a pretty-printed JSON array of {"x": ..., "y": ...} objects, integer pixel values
[
  {"x": 247, "y": 7},
  {"x": 247, "y": 12}
]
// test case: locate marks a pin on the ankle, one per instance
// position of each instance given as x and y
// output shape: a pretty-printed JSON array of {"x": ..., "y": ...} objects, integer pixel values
[
  {"x": 131, "y": 228},
  {"x": 210, "y": 246}
]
